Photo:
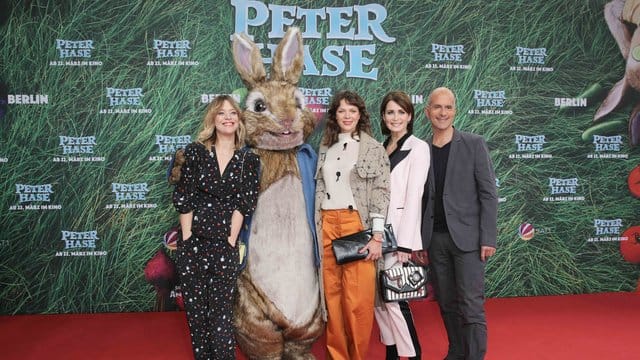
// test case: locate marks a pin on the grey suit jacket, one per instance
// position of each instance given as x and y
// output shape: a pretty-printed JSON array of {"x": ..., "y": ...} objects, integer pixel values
[{"x": 470, "y": 196}]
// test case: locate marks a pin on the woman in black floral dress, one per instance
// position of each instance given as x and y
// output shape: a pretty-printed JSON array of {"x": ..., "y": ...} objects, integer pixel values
[{"x": 218, "y": 186}]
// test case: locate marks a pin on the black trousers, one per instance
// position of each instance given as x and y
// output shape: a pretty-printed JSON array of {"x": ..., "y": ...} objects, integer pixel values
[
  {"x": 459, "y": 286},
  {"x": 208, "y": 270}
]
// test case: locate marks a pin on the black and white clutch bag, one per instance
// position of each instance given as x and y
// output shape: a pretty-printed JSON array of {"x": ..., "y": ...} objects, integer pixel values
[{"x": 408, "y": 282}]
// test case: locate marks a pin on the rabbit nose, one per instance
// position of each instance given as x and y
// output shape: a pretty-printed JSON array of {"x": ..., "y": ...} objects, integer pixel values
[{"x": 287, "y": 122}]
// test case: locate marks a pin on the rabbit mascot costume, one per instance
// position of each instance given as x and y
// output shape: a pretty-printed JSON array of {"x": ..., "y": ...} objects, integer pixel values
[{"x": 278, "y": 308}]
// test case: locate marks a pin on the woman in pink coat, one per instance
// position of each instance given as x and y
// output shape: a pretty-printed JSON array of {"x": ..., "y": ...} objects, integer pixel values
[{"x": 410, "y": 159}]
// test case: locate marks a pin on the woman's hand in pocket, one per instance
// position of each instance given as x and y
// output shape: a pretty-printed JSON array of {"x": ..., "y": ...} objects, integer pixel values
[{"x": 232, "y": 241}]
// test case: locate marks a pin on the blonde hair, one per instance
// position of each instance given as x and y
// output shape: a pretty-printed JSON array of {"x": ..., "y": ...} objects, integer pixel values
[{"x": 207, "y": 136}]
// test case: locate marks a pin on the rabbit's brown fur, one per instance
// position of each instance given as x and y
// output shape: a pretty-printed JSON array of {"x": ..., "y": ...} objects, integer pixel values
[{"x": 278, "y": 310}]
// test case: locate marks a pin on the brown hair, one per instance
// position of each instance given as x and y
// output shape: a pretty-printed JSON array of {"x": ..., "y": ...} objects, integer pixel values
[
  {"x": 207, "y": 135},
  {"x": 332, "y": 129},
  {"x": 404, "y": 101}
]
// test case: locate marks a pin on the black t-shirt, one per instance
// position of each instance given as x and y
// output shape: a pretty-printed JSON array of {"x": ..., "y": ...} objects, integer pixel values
[{"x": 440, "y": 157}]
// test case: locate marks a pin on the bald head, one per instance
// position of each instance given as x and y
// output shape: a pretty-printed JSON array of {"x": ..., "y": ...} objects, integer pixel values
[
  {"x": 441, "y": 111},
  {"x": 441, "y": 91}
]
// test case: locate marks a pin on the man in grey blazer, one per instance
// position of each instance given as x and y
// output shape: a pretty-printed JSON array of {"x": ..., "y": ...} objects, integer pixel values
[{"x": 459, "y": 226}]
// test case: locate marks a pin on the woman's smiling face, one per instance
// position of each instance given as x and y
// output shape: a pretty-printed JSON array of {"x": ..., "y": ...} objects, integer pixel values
[{"x": 347, "y": 116}]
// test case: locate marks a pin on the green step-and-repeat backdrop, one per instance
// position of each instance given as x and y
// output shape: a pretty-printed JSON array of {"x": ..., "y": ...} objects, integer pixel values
[{"x": 95, "y": 97}]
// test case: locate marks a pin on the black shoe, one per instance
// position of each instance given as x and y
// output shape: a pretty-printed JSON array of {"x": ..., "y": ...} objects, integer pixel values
[
  {"x": 392, "y": 352},
  {"x": 454, "y": 357}
]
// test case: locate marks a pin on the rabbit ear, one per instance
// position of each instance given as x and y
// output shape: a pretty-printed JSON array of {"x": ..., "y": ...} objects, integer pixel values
[
  {"x": 288, "y": 59},
  {"x": 613, "y": 99},
  {"x": 248, "y": 61}
]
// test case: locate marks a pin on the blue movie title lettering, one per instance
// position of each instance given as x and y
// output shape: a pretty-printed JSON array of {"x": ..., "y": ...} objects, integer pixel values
[
  {"x": 607, "y": 143},
  {"x": 75, "y": 240},
  {"x": 531, "y": 55},
  {"x": 118, "y": 97},
  {"x": 169, "y": 144},
  {"x": 74, "y": 49},
  {"x": 77, "y": 145},
  {"x": 489, "y": 98},
  {"x": 165, "y": 49},
  {"x": 563, "y": 186},
  {"x": 607, "y": 227},
  {"x": 29, "y": 193},
  {"x": 530, "y": 143},
  {"x": 356, "y": 23},
  {"x": 447, "y": 52},
  {"x": 125, "y": 192}
]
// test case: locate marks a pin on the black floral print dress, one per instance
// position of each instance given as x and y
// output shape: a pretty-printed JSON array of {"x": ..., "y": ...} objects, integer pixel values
[{"x": 207, "y": 263}]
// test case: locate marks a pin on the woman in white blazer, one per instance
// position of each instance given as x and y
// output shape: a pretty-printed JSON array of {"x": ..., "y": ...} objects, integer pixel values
[{"x": 410, "y": 159}]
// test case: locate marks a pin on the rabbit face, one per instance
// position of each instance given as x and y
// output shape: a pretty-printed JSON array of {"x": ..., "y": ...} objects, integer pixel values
[{"x": 275, "y": 116}]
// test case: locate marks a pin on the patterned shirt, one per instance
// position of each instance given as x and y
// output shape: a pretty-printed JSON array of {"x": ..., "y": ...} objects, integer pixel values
[
  {"x": 340, "y": 161},
  {"x": 213, "y": 197}
]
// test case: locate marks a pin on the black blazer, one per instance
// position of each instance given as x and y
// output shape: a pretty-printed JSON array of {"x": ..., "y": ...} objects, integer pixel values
[{"x": 470, "y": 196}]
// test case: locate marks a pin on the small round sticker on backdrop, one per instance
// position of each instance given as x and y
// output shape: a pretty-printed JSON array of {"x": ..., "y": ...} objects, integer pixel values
[
  {"x": 526, "y": 231},
  {"x": 633, "y": 180},
  {"x": 630, "y": 248}
]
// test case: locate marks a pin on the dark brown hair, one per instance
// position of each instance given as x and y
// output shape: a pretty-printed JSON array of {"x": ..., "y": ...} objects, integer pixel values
[
  {"x": 404, "y": 101},
  {"x": 332, "y": 129}
]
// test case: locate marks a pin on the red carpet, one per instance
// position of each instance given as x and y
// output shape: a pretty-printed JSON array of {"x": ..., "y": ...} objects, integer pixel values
[{"x": 585, "y": 327}]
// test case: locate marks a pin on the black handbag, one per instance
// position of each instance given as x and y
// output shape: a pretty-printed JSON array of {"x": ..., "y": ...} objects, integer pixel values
[
  {"x": 346, "y": 248},
  {"x": 402, "y": 283}
]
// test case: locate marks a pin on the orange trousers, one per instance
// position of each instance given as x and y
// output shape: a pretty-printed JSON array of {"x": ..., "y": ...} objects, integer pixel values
[{"x": 349, "y": 291}]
